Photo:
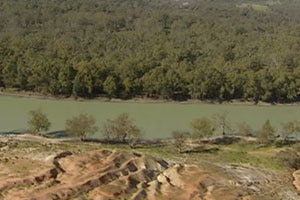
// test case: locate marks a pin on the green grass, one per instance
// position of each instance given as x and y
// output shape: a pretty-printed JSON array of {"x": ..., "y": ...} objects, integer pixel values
[
  {"x": 252, "y": 153},
  {"x": 248, "y": 158},
  {"x": 257, "y": 7}
]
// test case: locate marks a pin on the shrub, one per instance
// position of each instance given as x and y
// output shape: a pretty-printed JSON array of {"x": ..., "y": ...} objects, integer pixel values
[
  {"x": 180, "y": 139},
  {"x": 38, "y": 122},
  {"x": 244, "y": 129},
  {"x": 289, "y": 158},
  {"x": 81, "y": 125},
  {"x": 122, "y": 129},
  {"x": 266, "y": 134},
  {"x": 202, "y": 127},
  {"x": 289, "y": 128}
]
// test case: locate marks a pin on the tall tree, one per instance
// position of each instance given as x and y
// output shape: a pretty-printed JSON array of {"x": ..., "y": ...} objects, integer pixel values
[{"x": 222, "y": 121}]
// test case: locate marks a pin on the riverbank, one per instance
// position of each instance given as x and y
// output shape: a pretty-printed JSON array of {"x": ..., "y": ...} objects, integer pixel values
[{"x": 26, "y": 94}]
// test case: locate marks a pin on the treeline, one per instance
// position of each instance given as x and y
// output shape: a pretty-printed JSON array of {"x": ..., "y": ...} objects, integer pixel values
[
  {"x": 209, "y": 50},
  {"x": 122, "y": 129}
]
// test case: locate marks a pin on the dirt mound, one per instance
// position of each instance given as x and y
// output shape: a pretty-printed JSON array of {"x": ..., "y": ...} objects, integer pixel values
[
  {"x": 109, "y": 174},
  {"x": 296, "y": 182}
]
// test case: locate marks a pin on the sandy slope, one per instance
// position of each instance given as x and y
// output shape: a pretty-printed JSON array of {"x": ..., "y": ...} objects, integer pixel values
[{"x": 107, "y": 174}]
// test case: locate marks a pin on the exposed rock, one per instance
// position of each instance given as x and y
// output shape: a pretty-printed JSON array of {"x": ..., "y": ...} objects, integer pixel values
[
  {"x": 106, "y": 174},
  {"x": 100, "y": 174},
  {"x": 62, "y": 155},
  {"x": 296, "y": 182},
  {"x": 139, "y": 195}
]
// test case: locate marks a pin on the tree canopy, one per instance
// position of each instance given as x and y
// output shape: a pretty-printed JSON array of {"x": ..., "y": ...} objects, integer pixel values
[{"x": 208, "y": 50}]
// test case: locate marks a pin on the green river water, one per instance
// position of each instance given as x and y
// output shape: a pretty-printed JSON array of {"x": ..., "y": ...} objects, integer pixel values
[{"x": 157, "y": 120}]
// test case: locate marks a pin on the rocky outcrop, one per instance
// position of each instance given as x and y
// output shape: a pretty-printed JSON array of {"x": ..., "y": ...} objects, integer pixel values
[
  {"x": 109, "y": 174},
  {"x": 296, "y": 182}
]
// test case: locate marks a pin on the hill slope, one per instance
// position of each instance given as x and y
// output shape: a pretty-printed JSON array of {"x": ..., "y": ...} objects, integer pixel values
[
  {"x": 161, "y": 49},
  {"x": 56, "y": 169}
]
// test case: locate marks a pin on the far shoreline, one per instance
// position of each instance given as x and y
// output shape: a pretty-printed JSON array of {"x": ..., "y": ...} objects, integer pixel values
[{"x": 36, "y": 95}]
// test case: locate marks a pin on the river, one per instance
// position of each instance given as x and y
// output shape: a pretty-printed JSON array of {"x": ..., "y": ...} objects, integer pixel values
[{"x": 157, "y": 120}]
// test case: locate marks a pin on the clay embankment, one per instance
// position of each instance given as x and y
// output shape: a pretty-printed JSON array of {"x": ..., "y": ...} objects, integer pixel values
[
  {"x": 37, "y": 168},
  {"x": 106, "y": 174},
  {"x": 296, "y": 182}
]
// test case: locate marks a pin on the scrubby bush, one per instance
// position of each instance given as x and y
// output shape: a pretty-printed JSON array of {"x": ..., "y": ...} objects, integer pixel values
[
  {"x": 289, "y": 158},
  {"x": 244, "y": 129},
  {"x": 289, "y": 128},
  {"x": 180, "y": 139},
  {"x": 202, "y": 127},
  {"x": 81, "y": 125},
  {"x": 266, "y": 133},
  {"x": 122, "y": 129},
  {"x": 38, "y": 122}
]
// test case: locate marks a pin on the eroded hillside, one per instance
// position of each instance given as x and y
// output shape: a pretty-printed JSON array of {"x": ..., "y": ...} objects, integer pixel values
[{"x": 37, "y": 168}]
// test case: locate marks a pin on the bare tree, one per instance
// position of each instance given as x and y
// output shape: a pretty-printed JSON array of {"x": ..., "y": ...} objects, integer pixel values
[{"x": 222, "y": 121}]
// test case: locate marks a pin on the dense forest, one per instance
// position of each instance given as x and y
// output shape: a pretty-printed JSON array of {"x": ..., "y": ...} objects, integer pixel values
[{"x": 193, "y": 49}]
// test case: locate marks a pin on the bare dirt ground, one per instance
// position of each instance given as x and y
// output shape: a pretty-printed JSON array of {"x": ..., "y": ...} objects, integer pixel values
[{"x": 34, "y": 168}]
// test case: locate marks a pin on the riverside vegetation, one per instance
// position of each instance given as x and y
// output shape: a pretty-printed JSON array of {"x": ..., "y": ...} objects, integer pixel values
[
  {"x": 225, "y": 167},
  {"x": 191, "y": 165},
  {"x": 122, "y": 128},
  {"x": 208, "y": 50}
]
